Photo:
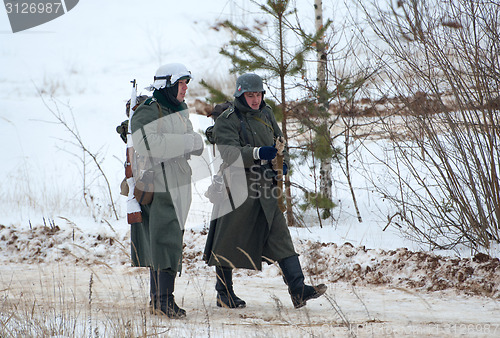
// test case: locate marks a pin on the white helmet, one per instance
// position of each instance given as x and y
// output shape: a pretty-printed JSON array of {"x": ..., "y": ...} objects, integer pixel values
[{"x": 167, "y": 75}]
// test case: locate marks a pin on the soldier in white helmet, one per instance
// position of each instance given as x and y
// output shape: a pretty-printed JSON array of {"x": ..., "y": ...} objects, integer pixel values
[{"x": 163, "y": 134}]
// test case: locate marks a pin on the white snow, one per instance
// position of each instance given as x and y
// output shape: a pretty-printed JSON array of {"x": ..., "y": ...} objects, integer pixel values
[{"x": 66, "y": 265}]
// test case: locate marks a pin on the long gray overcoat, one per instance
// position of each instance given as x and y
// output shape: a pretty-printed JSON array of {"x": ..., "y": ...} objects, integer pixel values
[
  {"x": 157, "y": 241},
  {"x": 255, "y": 231}
]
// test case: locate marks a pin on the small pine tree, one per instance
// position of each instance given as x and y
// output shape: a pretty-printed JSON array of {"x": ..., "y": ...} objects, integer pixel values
[{"x": 269, "y": 54}]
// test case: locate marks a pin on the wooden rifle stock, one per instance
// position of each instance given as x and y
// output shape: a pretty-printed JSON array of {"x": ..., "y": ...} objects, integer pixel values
[{"x": 278, "y": 167}]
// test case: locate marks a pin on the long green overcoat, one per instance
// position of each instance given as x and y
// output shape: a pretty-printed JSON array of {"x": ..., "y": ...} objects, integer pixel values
[
  {"x": 255, "y": 231},
  {"x": 157, "y": 241}
]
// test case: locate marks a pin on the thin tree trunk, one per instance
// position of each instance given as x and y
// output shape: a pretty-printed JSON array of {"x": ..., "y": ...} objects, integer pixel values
[
  {"x": 326, "y": 163},
  {"x": 348, "y": 174},
  {"x": 288, "y": 195}
]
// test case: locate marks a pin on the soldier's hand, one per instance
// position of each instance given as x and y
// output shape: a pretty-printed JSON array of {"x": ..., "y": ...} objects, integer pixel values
[
  {"x": 285, "y": 169},
  {"x": 198, "y": 142},
  {"x": 122, "y": 129},
  {"x": 198, "y": 145},
  {"x": 193, "y": 143},
  {"x": 188, "y": 143},
  {"x": 279, "y": 177}
]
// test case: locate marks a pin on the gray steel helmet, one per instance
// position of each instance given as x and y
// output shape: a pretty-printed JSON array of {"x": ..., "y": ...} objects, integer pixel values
[{"x": 248, "y": 82}]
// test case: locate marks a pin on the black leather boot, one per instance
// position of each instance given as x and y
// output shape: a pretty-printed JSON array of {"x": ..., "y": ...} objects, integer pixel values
[
  {"x": 224, "y": 287},
  {"x": 164, "y": 303},
  {"x": 294, "y": 278}
]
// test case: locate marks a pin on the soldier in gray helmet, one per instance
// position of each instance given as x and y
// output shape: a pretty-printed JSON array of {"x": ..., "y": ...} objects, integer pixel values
[{"x": 255, "y": 231}]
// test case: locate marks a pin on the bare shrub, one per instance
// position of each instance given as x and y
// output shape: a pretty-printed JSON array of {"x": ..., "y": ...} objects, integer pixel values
[{"x": 441, "y": 60}]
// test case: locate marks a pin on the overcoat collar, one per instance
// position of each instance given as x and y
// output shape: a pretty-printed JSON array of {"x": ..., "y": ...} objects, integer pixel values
[{"x": 164, "y": 102}]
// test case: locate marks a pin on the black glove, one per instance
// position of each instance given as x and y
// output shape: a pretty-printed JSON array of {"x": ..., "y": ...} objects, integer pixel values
[
  {"x": 285, "y": 171},
  {"x": 267, "y": 153}
]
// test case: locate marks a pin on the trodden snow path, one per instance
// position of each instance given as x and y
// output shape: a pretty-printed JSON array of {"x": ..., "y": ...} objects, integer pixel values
[{"x": 54, "y": 299}]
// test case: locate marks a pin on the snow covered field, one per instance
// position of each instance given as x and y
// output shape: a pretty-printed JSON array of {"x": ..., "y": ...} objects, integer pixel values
[
  {"x": 118, "y": 307},
  {"x": 71, "y": 283},
  {"x": 65, "y": 266}
]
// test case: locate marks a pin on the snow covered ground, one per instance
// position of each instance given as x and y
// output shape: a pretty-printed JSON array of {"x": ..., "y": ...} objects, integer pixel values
[
  {"x": 100, "y": 301},
  {"x": 65, "y": 265},
  {"x": 66, "y": 282}
]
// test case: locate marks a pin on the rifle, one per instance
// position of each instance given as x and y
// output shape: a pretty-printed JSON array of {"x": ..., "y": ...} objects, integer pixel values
[
  {"x": 278, "y": 167},
  {"x": 133, "y": 207}
]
